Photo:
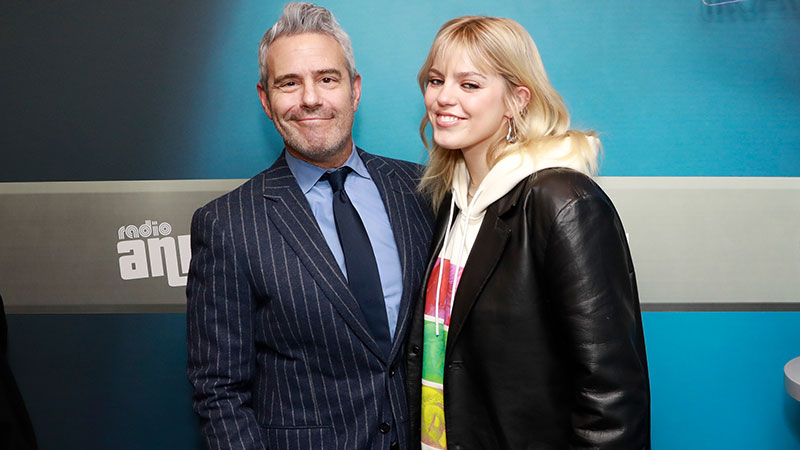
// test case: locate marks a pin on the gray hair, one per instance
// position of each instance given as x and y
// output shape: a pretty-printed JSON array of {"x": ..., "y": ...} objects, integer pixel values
[{"x": 299, "y": 18}]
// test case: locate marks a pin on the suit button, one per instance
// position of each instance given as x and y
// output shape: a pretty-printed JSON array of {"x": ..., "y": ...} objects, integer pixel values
[
  {"x": 415, "y": 349},
  {"x": 384, "y": 428},
  {"x": 391, "y": 373}
]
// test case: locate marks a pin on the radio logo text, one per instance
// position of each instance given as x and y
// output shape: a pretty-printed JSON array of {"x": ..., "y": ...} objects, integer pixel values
[{"x": 148, "y": 250}]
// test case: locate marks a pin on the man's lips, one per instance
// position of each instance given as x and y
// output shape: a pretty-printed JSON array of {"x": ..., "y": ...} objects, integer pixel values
[
  {"x": 311, "y": 119},
  {"x": 311, "y": 116}
]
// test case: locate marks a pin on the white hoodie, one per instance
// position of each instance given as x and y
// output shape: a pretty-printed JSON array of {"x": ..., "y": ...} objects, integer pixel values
[{"x": 458, "y": 239}]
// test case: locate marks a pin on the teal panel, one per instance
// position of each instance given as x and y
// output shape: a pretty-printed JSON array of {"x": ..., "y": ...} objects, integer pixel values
[
  {"x": 717, "y": 380},
  {"x": 676, "y": 88},
  {"x": 118, "y": 381}
]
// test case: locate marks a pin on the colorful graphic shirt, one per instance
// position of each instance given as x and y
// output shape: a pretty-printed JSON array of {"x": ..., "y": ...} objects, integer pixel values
[{"x": 437, "y": 324}]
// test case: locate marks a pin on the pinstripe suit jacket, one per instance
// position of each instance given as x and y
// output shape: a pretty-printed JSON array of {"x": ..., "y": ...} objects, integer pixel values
[{"x": 280, "y": 354}]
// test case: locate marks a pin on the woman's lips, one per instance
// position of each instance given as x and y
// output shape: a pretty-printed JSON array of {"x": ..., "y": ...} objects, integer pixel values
[{"x": 447, "y": 120}]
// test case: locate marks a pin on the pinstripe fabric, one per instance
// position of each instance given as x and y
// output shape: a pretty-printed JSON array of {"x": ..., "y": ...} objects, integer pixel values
[{"x": 280, "y": 355}]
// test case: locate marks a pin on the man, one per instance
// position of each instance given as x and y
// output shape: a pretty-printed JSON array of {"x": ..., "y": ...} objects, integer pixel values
[{"x": 301, "y": 279}]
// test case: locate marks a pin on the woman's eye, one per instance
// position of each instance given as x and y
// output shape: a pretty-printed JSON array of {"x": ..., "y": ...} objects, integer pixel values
[
  {"x": 470, "y": 85},
  {"x": 435, "y": 82}
]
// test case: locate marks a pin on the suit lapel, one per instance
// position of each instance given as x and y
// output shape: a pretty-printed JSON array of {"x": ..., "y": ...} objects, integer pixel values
[
  {"x": 483, "y": 258},
  {"x": 290, "y": 213}
]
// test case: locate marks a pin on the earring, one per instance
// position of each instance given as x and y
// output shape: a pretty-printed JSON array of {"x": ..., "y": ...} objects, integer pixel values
[{"x": 511, "y": 137}]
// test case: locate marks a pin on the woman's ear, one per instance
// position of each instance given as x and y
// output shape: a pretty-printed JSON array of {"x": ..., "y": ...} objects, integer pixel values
[{"x": 522, "y": 96}]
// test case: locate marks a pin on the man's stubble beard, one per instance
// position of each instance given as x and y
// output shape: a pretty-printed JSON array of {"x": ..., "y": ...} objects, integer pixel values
[{"x": 321, "y": 151}]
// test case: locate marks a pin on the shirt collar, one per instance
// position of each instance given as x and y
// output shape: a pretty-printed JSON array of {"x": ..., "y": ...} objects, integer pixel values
[{"x": 308, "y": 174}]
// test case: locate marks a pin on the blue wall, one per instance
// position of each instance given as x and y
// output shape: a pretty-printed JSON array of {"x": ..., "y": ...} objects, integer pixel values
[
  {"x": 155, "y": 90},
  {"x": 717, "y": 379},
  {"x": 118, "y": 381}
]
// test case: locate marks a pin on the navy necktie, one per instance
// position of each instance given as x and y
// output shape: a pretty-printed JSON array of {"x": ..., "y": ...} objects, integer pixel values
[{"x": 359, "y": 259}]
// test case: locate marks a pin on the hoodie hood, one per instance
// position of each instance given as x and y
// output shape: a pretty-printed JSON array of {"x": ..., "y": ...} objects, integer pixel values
[
  {"x": 507, "y": 172},
  {"x": 498, "y": 182}
]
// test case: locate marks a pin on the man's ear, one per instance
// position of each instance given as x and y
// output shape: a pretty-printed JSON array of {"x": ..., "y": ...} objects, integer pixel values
[
  {"x": 356, "y": 91},
  {"x": 262, "y": 95}
]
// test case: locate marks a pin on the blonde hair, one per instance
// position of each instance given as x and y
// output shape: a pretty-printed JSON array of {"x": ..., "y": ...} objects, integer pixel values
[{"x": 503, "y": 46}]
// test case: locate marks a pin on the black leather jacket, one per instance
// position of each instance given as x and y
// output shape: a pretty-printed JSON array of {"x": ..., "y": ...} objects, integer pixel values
[{"x": 545, "y": 347}]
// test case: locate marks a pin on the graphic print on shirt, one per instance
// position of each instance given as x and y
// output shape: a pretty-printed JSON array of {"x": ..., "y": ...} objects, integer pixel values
[{"x": 435, "y": 339}]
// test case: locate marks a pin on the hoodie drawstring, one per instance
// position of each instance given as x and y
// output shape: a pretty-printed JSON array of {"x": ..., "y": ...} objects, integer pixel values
[
  {"x": 441, "y": 264},
  {"x": 465, "y": 225}
]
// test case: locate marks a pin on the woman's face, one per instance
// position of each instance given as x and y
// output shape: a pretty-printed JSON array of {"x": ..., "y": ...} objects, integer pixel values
[{"x": 464, "y": 104}]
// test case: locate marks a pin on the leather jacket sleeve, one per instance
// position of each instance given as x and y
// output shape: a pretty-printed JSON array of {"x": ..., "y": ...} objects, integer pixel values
[{"x": 592, "y": 285}]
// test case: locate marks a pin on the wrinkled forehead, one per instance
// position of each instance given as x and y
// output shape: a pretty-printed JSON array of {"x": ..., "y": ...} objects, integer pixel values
[{"x": 305, "y": 52}]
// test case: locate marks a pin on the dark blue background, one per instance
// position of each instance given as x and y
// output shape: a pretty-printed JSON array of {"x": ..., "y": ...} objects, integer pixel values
[{"x": 121, "y": 90}]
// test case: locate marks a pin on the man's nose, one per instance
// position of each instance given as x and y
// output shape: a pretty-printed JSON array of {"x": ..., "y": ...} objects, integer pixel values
[{"x": 310, "y": 95}]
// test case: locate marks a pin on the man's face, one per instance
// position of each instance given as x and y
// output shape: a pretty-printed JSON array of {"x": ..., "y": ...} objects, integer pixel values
[{"x": 310, "y": 99}]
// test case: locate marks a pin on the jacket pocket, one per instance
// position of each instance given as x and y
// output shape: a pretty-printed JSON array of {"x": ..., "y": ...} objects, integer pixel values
[{"x": 317, "y": 437}]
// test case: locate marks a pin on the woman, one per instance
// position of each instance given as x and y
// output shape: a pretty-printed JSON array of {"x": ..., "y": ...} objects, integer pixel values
[{"x": 530, "y": 333}]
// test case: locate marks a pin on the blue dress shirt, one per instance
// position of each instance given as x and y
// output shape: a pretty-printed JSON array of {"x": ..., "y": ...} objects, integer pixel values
[{"x": 367, "y": 201}]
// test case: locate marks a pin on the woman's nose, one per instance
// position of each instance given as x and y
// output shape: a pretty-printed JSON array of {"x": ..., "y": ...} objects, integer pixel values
[{"x": 446, "y": 95}]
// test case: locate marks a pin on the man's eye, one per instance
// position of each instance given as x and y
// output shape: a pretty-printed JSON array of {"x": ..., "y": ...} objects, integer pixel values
[
  {"x": 289, "y": 84},
  {"x": 327, "y": 80}
]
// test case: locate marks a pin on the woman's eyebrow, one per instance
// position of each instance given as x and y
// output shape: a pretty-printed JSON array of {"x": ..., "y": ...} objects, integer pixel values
[{"x": 469, "y": 74}]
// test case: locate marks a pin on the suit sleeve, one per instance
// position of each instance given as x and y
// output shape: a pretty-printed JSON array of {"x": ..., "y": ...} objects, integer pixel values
[
  {"x": 593, "y": 288},
  {"x": 221, "y": 359}
]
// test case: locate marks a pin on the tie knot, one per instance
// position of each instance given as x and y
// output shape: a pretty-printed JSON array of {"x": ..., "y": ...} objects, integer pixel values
[{"x": 337, "y": 177}]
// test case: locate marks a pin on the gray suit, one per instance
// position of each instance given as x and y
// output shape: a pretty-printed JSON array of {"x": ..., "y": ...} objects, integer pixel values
[{"x": 280, "y": 354}]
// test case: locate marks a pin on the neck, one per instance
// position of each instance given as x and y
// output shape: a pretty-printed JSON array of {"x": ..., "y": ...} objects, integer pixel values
[{"x": 477, "y": 167}]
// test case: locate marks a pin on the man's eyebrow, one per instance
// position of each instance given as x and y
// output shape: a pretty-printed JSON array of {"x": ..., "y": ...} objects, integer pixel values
[
  {"x": 289, "y": 76},
  {"x": 330, "y": 71}
]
